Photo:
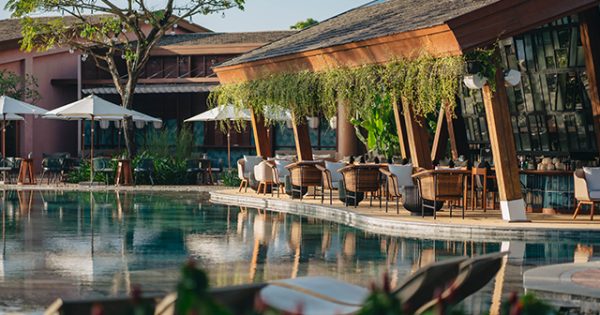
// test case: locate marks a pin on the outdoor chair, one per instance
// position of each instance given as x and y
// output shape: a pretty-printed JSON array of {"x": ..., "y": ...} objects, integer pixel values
[
  {"x": 587, "y": 189},
  {"x": 102, "y": 165},
  {"x": 242, "y": 175},
  {"x": 445, "y": 185},
  {"x": 263, "y": 173},
  {"x": 331, "y": 178},
  {"x": 481, "y": 182},
  {"x": 6, "y": 166},
  {"x": 360, "y": 178},
  {"x": 278, "y": 181},
  {"x": 397, "y": 178},
  {"x": 192, "y": 169},
  {"x": 53, "y": 167},
  {"x": 205, "y": 167},
  {"x": 304, "y": 174},
  {"x": 144, "y": 166},
  {"x": 324, "y": 295},
  {"x": 474, "y": 274}
]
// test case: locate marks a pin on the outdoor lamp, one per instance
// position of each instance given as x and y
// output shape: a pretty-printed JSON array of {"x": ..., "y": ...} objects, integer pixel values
[
  {"x": 512, "y": 77},
  {"x": 140, "y": 124},
  {"x": 104, "y": 124},
  {"x": 157, "y": 124},
  {"x": 333, "y": 122},
  {"x": 474, "y": 81}
]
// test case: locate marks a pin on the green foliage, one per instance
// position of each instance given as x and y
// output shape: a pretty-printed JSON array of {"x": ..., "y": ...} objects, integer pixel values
[
  {"x": 230, "y": 178},
  {"x": 528, "y": 304},
  {"x": 424, "y": 83},
  {"x": 82, "y": 174},
  {"x": 378, "y": 121},
  {"x": 185, "y": 143},
  {"x": 381, "y": 301},
  {"x": 300, "y": 25},
  {"x": 17, "y": 87},
  {"x": 192, "y": 293},
  {"x": 168, "y": 170},
  {"x": 487, "y": 60}
]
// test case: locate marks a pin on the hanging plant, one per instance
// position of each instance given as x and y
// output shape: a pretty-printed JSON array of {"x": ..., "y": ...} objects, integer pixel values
[
  {"x": 424, "y": 83},
  {"x": 483, "y": 62}
]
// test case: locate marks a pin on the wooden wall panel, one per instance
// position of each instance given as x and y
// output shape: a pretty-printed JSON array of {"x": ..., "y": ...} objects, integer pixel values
[{"x": 589, "y": 24}]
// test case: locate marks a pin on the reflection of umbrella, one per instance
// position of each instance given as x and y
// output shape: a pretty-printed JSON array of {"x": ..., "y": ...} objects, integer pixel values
[
  {"x": 10, "y": 106},
  {"x": 223, "y": 113},
  {"x": 135, "y": 116},
  {"x": 90, "y": 108}
]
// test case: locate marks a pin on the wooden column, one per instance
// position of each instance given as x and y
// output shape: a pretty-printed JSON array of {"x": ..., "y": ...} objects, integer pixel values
[
  {"x": 401, "y": 130},
  {"x": 347, "y": 142},
  {"x": 418, "y": 139},
  {"x": 457, "y": 132},
  {"x": 302, "y": 139},
  {"x": 440, "y": 140},
  {"x": 503, "y": 150},
  {"x": 262, "y": 138},
  {"x": 589, "y": 25}
]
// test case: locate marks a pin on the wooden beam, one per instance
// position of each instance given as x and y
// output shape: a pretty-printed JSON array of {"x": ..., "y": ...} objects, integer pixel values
[
  {"x": 440, "y": 140},
  {"x": 589, "y": 24},
  {"x": 503, "y": 150},
  {"x": 401, "y": 130},
  {"x": 418, "y": 139},
  {"x": 262, "y": 138},
  {"x": 302, "y": 140},
  {"x": 347, "y": 142},
  {"x": 457, "y": 133}
]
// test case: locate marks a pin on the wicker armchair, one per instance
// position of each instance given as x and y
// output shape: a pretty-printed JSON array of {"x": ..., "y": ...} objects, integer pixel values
[
  {"x": 441, "y": 185},
  {"x": 330, "y": 179},
  {"x": 361, "y": 178},
  {"x": 587, "y": 189},
  {"x": 304, "y": 174}
]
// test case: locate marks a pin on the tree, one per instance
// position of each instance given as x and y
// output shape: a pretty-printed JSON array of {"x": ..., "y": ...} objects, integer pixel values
[
  {"x": 110, "y": 31},
  {"x": 17, "y": 87},
  {"x": 304, "y": 24}
]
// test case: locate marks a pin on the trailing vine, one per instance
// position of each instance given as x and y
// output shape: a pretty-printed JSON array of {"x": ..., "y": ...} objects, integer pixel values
[{"x": 424, "y": 83}]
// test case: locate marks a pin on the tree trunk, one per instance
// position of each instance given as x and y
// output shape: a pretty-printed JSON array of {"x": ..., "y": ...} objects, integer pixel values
[{"x": 128, "y": 125}]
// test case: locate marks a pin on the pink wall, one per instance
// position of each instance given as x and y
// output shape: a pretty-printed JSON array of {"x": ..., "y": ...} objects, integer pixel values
[{"x": 39, "y": 135}]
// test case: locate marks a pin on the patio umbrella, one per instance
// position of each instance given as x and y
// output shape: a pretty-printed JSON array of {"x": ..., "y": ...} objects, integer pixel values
[
  {"x": 91, "y": 108},
  {"x": 11, "y": 106},
  {"x": 135, "y": 116},
  {"x": 223, "y": 113}
]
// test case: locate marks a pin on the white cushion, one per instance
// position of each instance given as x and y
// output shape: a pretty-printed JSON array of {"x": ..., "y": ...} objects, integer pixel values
[
  {"x": 322, "y": 156},
  {"x": 592, "y": 177},
  {"x": 333, "y": 168},
  {"x": 251, "y": 162},
  {"x": 403, "y": 173},
  {"x": 281, "y": 164},
  {"x": 263, "y": 172},
  {"x": 594, "y": 194}
]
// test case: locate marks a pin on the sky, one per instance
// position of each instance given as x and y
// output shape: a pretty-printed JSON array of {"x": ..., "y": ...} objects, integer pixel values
[{"x": 265, "y": 15}]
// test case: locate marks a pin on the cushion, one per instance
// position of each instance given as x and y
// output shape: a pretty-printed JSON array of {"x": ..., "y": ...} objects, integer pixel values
[
  {"x": 595, "y": 194},
  {"x": 322, "y": 156},
  {"x": 592, "y": 177},
  {"x": 403, "y": 173},
  {"x": 285, "y": 157},
  {"x": 333, "y": 168},
  {"x": 281, "y": 164},
  {"x": 251, "y": 162}
]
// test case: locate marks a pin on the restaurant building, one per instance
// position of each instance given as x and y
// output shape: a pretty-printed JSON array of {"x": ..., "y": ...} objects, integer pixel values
[{"x": 554, "y": 111}]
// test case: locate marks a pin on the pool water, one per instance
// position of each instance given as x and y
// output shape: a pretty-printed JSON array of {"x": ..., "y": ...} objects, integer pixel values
[{"x": 83, "y": 245}]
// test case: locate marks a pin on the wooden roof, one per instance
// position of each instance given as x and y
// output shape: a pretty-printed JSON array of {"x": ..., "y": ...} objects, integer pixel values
[
  {"x": 211, "y": 38},
  {"x": 383, "y": 31}
]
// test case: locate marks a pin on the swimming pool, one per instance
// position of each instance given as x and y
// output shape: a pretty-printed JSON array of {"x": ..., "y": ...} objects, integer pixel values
[{"x": 82, "y": 244}]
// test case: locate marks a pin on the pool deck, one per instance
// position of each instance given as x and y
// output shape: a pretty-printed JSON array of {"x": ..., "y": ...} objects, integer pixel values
[{"x": 477, "y": 225}]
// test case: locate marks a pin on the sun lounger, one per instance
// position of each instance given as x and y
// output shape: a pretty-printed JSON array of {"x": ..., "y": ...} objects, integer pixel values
[{"x": 323, "y": 295}]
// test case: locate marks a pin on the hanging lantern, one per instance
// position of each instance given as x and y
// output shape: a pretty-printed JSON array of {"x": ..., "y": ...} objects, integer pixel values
[
  {"x": 313, "y": 122},
  {"x": 140, "y": 124},
  {"x": 157, "y": 124},
  {"x": 104, "y": 124},
  {"x": 333, "y": 122},
  {"x": 117, "y": 124}
]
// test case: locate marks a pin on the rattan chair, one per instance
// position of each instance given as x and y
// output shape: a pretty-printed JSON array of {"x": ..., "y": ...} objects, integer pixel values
[
  {"x": 441, "y": 186},
  {"x": 329, "y": 179},
  {"x": 480, "y": 182},
  {"x": 394, "y": 186},
  {"x": 304, "y": 174},
  {"x": 586, "y": 189},
  {"x": 361, "y": 178}
]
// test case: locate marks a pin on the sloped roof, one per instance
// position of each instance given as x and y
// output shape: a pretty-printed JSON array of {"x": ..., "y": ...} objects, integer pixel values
[
  {"x": 10, "y": 29},
  {"x": 375, "y": 19},
  {"x": 223, "y": 38}
]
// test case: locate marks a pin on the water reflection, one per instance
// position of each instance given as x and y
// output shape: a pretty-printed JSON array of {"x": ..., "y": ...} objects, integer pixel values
[{"x": 98, "y": 244}]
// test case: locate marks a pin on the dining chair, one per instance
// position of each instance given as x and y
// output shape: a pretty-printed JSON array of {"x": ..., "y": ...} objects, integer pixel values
[{"x": 441, "y": 186}]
